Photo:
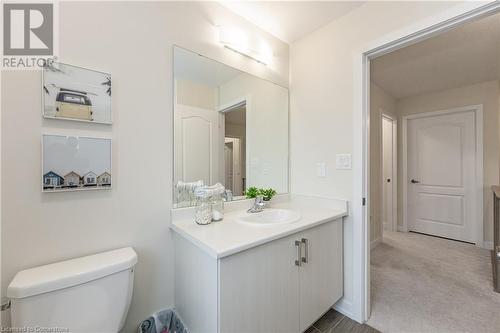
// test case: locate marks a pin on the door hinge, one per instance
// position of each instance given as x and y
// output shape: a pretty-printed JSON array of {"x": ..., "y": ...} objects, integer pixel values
[{"x": 364, "y": 201}]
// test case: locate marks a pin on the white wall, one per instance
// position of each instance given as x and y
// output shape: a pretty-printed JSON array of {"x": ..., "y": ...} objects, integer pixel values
[
  {"x": 133, "y": 41},
  {"x": 326, "y": 109},
  {"x": 487, "y": 94},
  {"x": 266, "y": 129},
  {"x": 197, "y": 95},
  {"x": 380, "y": 102}
]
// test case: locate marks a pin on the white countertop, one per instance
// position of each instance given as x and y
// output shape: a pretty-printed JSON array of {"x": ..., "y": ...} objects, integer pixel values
[{"x": 227, "y": 237}]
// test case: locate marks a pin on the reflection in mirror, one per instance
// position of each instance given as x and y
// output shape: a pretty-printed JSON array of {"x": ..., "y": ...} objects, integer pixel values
[
  {"x": 229, "y": 127},
  {"x": 234, "y": 148}
]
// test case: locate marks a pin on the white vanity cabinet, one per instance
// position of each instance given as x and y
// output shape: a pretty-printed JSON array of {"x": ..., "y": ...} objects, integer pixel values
[
  {"x": 321, "y": 277},
  {"x": 259, "y": 289},
  {"x": 280, "y": 286}
]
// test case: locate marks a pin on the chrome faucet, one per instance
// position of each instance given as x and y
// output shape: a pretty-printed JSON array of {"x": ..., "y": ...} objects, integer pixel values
[
  {"x": 258, "y": 205},
  {"x": 228, "y": 195}
]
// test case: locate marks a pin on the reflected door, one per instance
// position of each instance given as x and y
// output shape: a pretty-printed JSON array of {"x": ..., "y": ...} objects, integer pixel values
[
  {"x": 196, "y": 149},
  {"x": 441, "y": 175},
  {"x": 228, "y": 165}
]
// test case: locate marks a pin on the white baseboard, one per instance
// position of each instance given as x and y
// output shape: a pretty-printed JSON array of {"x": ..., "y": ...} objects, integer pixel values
[
  {"x": 345, "y": 307},
  {"x": 375, "y": 242},
  {"x": 488, "y": 245}
]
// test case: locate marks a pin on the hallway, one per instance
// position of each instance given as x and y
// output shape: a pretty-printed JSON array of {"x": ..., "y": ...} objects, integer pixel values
[{"x": 427, "y": 284}]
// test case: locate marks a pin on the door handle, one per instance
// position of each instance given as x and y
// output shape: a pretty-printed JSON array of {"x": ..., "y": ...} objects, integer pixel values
[
  {"x": 305, "y": 257},
  {"x": 298, "y": 262},
  {"x": 388, "y": 180},
  {"x": 413, "y": 181}
]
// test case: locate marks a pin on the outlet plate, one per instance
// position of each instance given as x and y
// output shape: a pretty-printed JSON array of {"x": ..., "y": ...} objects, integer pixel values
[{"x": 343, "y": 161}]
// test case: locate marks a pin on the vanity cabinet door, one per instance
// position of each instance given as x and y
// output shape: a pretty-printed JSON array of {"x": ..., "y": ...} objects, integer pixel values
[
  {"x": 321, "y": 275},
  {"x": 258, "y": 289}
]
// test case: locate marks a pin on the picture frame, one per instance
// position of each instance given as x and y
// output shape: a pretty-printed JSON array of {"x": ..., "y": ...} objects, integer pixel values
[
  {"x": 76, "y": 93},
  {"x": 76, "y": 163}
]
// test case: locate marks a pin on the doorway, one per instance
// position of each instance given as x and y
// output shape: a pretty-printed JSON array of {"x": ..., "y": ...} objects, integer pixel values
[
  {"x": 233, "y": 158},
  {"x": 361, "y": 209}
]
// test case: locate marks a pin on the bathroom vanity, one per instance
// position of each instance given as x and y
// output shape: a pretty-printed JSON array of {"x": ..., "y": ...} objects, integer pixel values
[
  {"x": 276, "y": 270},
  {"x": 235, "y": 276}
]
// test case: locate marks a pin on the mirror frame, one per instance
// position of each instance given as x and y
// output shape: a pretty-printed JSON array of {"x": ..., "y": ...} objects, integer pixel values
[{"x": 174, "y": 98}]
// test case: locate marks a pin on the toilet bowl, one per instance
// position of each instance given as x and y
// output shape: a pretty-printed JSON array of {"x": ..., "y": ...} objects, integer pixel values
[{"x": 87, "y": 294}]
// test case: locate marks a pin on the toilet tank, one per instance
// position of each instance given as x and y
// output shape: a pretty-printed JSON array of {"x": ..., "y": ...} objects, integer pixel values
[{"x": 87, "y": 294}]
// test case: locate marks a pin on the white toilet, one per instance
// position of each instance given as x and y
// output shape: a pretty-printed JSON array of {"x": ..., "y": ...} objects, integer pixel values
[{"x": 87, "y": 294}]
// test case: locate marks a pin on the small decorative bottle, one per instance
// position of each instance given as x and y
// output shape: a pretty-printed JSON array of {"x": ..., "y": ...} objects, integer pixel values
[
  {"x": 217, "y": 207},
  {"x": 203, "y": 208}
]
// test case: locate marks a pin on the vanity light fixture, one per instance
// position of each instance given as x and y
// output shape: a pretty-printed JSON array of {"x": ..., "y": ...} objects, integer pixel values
[{"x": 235, "y": 39}]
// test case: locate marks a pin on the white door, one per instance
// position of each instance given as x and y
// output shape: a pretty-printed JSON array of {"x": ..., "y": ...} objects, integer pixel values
[
  {"x": 237, "y": 171},
  {"x": 441, "y": 175},
  {"x": 321, "y": 280},
  {"x": 228, "y": 165},
  {"x": 387, "y": 172},
  {"x": 196, "y": 144}
]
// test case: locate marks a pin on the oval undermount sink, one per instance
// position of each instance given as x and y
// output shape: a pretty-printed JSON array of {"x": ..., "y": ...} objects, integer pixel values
[{"x": 270, "y": 217}]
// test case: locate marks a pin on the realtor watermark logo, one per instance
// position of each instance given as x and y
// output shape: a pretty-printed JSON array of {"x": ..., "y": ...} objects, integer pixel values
[{"x": 28, "y": 34}]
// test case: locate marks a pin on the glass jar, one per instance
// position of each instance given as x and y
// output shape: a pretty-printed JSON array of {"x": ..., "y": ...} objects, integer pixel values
[
  {"x": 217, "y": 207},
  {"x": 203, "y": 208}
]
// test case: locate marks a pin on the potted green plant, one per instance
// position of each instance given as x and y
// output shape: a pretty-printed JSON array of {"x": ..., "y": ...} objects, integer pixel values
[
  {"x": 268, "y": 193},
  {"x": 252, "y": 192}
]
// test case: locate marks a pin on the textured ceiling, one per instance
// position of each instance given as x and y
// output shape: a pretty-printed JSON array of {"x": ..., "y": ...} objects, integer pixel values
[{"x": 466, "y": 55}]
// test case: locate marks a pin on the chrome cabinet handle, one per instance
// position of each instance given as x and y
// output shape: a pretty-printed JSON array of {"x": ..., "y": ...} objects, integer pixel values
[
  {"x": 305, "y": 258},
  {"x": 298, "y": 262}
]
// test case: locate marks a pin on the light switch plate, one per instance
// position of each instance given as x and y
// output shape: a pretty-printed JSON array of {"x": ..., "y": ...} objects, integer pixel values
[
  {"x": 343, "y": 161},
  {"x": 321, "y": 169},
  {"x": 265, "y": 168}
]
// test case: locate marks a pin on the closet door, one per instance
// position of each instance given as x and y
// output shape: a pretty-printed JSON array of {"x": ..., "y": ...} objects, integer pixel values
[
  {"x": 258, "y": 289},
  {"x": 321, "y": 273}
]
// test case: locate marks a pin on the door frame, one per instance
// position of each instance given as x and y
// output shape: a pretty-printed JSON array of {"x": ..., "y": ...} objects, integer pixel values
[
  {"x": 394, "y": 179},
  {"x": 478, "y": 181},
  {"x": 456, "y": 16}
]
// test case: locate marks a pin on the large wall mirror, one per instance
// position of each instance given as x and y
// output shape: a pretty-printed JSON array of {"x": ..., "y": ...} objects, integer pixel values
[{"x": 230, "y": 127}]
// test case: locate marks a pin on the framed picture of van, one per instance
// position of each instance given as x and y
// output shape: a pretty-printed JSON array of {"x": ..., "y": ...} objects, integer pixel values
[
  {"x": 71, "y": 163},
  {"x": 75, "y": 93}
]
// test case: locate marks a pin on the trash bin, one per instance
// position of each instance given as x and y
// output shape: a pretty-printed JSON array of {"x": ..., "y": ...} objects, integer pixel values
[{"x": 165, "y": 321}]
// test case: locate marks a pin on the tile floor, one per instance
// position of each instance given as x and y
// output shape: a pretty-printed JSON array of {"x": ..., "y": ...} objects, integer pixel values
[{"x": 335, "y": 322}]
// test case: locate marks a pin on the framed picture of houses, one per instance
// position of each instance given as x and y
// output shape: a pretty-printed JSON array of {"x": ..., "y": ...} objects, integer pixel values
[
  {"x": 71, "y": 163},
  {"x": 75, "y": 93}
]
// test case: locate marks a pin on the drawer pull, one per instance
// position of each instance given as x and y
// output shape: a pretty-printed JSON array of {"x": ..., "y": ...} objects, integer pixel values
[
  {"x": 305, "y": 257},
  {"x": 298, "y": 262}
]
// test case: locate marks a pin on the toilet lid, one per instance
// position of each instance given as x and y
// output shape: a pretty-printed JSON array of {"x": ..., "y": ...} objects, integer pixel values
[{"x": 69, "y": 273}]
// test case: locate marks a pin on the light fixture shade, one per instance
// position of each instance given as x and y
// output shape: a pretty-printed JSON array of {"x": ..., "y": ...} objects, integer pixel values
[{"x": 241, "y": 42}]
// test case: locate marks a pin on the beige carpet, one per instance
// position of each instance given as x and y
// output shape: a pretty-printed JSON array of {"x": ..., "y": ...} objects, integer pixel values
[{"x": 427, "y": 284}]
